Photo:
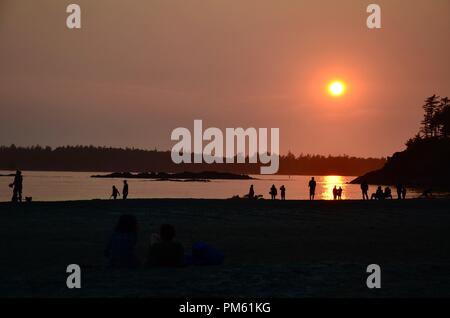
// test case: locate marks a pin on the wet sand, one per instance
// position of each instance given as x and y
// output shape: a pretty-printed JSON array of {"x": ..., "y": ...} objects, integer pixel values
[{"x": 272, "y": 249}]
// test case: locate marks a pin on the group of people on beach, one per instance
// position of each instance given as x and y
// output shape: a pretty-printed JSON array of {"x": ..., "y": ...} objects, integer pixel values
[
  {"x": 379, "y": 194},
  {"x": 163, "y": 250},
  {"x": 312, "y": 191},
  {"x": 115, "y": 192},
  {"x": 273, "y": 193},
  {"x": 337, "y": 193}
]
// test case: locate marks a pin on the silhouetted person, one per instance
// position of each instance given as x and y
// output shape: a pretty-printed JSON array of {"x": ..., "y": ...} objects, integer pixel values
[
  {"x": 120, "y": 250},
  {"x": 365, "y": 190},
  {"x": 125, "y": 190},
  {"x": 115, "y": 192},
  {"x": 273, "y": 192},
  {"x": 163, "y": 251},
  {"x": 378, "y": 195},
  {"x": 339, "y": 193},
  {"x": 404, "y": 193},
  {"x": 283, "y": 192},
  {"x": 399, "y": 188},
  {"x": 388, "y": 193},
  {"x": 335, "y": 193},
  {"x": 17, "y": 187},
  {"x": 312, "y": 188},
  {"x": 251, "y": 192}
]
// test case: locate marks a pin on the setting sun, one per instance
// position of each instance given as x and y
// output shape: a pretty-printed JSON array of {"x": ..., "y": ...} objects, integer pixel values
[{"x": 336, "y": 88}]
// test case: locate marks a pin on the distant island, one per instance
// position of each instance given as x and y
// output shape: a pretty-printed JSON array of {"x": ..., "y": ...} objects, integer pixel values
[
  {"x": 426, "y": 160},
  {"x": 106, "y": 159},
  {"x": 182, "y": 177}
]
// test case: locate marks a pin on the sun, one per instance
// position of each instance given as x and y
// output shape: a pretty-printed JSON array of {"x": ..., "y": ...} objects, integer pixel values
[{"x": 336, "y": 88}]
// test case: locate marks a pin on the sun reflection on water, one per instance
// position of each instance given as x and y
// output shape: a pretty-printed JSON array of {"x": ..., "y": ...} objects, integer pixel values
[{"x": 328, "y": 184}]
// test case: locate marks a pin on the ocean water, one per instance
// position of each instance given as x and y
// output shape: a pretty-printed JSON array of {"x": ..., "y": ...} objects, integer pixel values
[{"x": 62, "y": 186}]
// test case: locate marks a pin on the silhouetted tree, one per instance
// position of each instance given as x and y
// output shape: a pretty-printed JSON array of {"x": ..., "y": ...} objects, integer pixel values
[
  {"x": 441, "y": 119},
  {"x": 431, "y": 108},
  {"x": 436, "y": 122}
]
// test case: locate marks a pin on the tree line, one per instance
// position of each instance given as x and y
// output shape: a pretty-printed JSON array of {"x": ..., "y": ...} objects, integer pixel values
[{"x": 108, "y": 159}]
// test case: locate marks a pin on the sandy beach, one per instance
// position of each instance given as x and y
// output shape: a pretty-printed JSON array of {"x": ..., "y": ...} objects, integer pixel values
[{"x": 272, "y": 249}]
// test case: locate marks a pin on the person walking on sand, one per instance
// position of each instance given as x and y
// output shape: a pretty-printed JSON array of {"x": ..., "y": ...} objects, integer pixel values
[
  {"x": 115, "y": 193},
  {"x": 283, "y": 192},
  {"x": 404, "y": 193},
  {"x": 365, "y": 190},
  {"x": 125, "y": 190},
  {"x": 312, "y": 188},
  {"x": 251, "y": 193},
  {"x": 17, "y": 187}
]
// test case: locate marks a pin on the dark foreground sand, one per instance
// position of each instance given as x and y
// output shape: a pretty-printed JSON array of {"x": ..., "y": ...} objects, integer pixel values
[{"x": 273, "y": 249}]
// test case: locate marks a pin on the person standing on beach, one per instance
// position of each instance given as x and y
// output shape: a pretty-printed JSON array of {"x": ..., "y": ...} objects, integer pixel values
[
  {"x": 125, "y": 190},
  {"x": 312, "y": 188},
  {"x": 273, "y": 192},
  {"x": 115, "y": 193},
  {"x": 17, "y": 187},
  {"x": 339, "y": 193},
  {"x": 399, "y": 188},
  {"x": 251, "y": 192},
  {"x": 335, "y": 193},
  {"x": 283, "y": 192},
  {"x": 365, "y": 190},
  {"x": 404, "y": 193}
]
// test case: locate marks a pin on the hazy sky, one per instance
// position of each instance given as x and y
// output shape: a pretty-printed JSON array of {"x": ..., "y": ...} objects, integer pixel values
[{"x": 140, "y": 68}]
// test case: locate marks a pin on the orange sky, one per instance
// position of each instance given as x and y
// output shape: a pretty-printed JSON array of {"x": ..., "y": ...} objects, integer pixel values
[{"x": 138, "y": 69}]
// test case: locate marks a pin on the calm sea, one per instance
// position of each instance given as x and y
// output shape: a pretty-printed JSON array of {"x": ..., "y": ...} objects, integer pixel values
[{"x": 61, "y": 186}]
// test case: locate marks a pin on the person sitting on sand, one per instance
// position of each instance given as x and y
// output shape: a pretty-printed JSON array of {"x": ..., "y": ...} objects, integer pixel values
[
  {"x": 312, "y": 188},
  {"x": 251, "y": 193},
  {"x": 339, "y": 193},
  {"x": 115, "y": 193},
  {"x": 335, "y": 193},
  {"x": 283, "y": 192},
  {"x": 125, "y": 190},
  {"x": 378, "y": 195},
  {"x": 388, "y": 193},
  {"x": 163, "y": 251},
  {"x": 365, "y": 190},
  {"x": 273, "y": 192},
  {"x": 427, "y": 194},
  {"x": 120, "y": 250}
]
